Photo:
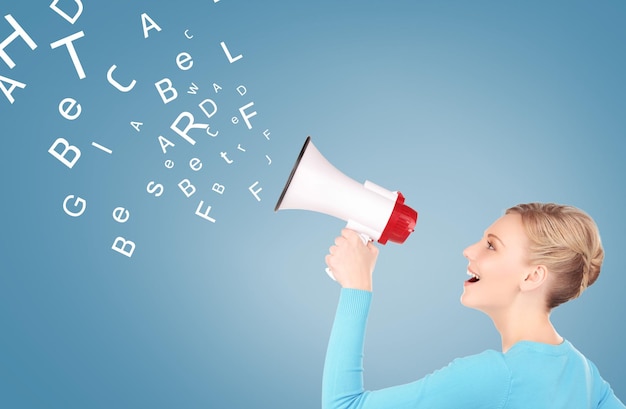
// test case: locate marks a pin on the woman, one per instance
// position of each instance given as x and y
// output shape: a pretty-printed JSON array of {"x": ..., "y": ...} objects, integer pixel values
[{"x": 533, "y": 258}]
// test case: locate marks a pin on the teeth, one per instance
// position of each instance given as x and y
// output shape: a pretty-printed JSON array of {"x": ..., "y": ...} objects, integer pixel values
[{"x": 469, "y": 273}]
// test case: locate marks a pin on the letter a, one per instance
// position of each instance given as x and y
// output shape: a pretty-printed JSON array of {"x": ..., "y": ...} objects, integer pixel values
[
  {"x": 145, "y": 17},
  {"x": 165, "y": 143},
  {"x": 136, "y": 125},
  {"x": 8, "y": 92}
]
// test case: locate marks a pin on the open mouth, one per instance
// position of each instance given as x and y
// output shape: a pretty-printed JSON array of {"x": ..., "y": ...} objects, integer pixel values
[{"x": 473, "y": 277}]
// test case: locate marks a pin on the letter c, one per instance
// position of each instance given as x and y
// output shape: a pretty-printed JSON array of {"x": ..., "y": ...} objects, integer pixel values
[{"x": 116, "y": 84}]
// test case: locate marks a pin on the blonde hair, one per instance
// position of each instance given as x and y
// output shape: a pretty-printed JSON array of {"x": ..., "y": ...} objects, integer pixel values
[{"x": 566, "y": 240}]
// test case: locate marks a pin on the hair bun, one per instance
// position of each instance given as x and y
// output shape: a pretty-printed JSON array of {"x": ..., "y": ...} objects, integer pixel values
[{"x": 592, "y": 268}]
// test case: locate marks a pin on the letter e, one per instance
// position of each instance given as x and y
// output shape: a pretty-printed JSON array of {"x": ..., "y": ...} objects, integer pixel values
[
  {"x": 121, "y": 215},
  {"x": 182, "y": 59},
  {"x": 66, "y": 106}
]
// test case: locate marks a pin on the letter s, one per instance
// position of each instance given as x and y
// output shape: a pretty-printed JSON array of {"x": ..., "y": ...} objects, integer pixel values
[{"x": 155, "y": 188}]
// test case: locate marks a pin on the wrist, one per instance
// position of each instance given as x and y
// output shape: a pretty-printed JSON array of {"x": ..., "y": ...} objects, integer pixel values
[{"x": 358, "y": 285}]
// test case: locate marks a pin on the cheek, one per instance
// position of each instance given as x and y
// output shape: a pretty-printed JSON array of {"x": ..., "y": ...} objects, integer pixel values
[
  {"x": 507, "y": 282},
  {"x": 499, "y": 274}
]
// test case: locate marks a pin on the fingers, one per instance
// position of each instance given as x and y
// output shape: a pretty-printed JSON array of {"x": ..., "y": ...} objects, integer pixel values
[
  {"x": 351, "y": 260},
  {"x": 353, "y": 239},
  {"x": 328, "y": 259},
  {"x": 350, "y": 235},
  {"x": 372, "y": 248},
  {"x": 343, "y": 240}
]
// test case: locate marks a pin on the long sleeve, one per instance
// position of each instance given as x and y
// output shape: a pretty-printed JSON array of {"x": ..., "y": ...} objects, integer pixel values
[
  {"x": 609, "y": 400},
  {"x": 342, "y": 384},
  {"x": 451, "y": 387},
  {"x": 604, "y": 394}
]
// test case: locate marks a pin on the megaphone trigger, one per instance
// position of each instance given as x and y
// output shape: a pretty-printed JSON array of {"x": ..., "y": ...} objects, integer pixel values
[
  {"x": 365, "y": 232},
  {"x": 366, "y": 239},
  {"x": 330, "y": 274}
]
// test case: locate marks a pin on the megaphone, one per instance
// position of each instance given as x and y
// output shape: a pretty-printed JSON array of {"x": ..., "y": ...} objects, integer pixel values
[{"x": 371, "y": 210}]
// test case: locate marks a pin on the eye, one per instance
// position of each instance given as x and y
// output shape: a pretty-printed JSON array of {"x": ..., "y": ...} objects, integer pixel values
[{"x": 490, "y": 245}]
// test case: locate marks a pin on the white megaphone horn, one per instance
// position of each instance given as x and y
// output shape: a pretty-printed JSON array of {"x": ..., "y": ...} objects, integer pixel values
[{"x": 374, "y": 212}]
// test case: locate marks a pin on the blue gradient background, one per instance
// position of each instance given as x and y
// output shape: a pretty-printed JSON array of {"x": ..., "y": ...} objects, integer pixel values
[{"x": 466, "y": 107}]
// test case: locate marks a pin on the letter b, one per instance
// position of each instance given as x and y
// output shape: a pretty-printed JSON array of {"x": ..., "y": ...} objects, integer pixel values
[
  {"x": 163, "y": 90},
  {"x": 62, "y": 156},
  {"x": 187, "y": 188},
  {"x": 123, "y": 246}
]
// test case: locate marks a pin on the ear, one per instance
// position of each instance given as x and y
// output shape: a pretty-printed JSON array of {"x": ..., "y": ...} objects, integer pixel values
[{"x": 535, "y": 278}]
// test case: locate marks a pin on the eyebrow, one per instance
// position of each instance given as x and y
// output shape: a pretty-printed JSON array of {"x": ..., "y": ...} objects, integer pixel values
[{"x": 497, "y": 238}]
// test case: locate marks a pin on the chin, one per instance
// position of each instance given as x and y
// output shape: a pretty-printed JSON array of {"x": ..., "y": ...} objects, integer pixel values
[
  {"x": 464, "y": 297},
  {"x": 466, "y": 301}
]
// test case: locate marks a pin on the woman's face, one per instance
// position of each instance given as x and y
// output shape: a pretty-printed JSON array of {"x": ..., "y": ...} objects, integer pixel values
[{"x": 498, "y": 263}]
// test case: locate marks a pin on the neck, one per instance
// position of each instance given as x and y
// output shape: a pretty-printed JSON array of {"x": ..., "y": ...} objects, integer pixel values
[{"x": 524, "y": 324}]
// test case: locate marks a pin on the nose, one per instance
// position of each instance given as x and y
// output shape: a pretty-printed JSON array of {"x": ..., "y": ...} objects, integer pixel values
[{"x": 469, "y": 251}]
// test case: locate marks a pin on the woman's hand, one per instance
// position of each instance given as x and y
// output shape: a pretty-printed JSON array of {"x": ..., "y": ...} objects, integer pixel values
[{"x": 351, "y": 261}]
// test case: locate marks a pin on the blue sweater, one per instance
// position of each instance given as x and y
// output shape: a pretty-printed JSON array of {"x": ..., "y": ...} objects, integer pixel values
[{"x": 529, "y": 375}]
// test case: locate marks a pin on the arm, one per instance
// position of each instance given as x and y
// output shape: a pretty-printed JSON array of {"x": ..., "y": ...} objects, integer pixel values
[
  {"x": 604, "y": 394},
  {"x": 474, "y": 382},
  {"x": 352, "y": 264},
  {"x": 342, "y": 382},
  {"x": 610, "y": 401}
]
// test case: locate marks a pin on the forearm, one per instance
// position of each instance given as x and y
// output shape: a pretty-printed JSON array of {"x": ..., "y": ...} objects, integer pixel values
[{"x": 342, "y": 384}]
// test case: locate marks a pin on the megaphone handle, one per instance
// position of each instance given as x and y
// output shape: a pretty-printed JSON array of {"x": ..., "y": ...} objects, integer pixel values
[{"x": 365, "y": 238}]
